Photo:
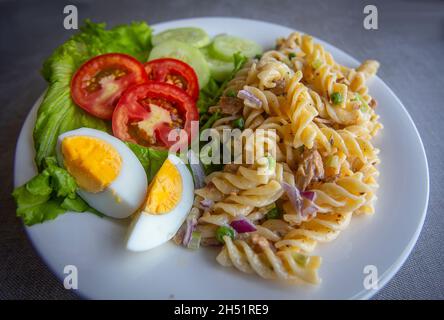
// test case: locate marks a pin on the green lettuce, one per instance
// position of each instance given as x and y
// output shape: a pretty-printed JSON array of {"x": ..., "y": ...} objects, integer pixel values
[
  {"x": 49, "y": 194},
  {"x": 151, "y": 159},
  {"x": 58, "y": 113}
]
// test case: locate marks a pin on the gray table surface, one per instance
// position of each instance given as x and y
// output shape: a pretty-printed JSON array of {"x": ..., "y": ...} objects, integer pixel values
[{"x": 409, "y": 44}]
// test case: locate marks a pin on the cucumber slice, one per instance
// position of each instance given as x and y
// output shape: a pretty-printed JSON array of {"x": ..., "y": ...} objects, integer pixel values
[
  {"x": 220, "y": 70},
  {"x": 193, "y": 36},
  {"x": 185, "y": 52},
  {"x": 225, "y": 46}
]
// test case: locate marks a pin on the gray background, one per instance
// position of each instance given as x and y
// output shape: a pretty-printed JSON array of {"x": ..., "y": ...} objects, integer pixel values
[{"x": 409, "y": 44}]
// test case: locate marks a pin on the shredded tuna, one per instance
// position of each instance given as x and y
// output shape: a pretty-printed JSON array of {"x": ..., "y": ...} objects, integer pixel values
[
  {"x": 279, "y": 89},
  {"x": 230, "y": 105},
  {"x": 310, "y": 168}
]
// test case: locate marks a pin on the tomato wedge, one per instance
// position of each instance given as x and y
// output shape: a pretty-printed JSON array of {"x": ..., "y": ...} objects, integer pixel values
[
  {"x": 174, "y": 72},
  {"x": 98, "y": 83},
  {"x": 146, "y": 113}
]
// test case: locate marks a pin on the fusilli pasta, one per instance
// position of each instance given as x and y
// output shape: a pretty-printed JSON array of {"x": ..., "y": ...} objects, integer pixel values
[{"x": 314, "y": 167}]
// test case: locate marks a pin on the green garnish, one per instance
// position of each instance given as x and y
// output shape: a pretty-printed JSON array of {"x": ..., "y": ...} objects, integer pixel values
[
  {"x": 291, "y": 55},
  {"x": 258, "y": 56},
  {"x": 231, "y": 93},
  {"x": 224, "y": 231},
  {"x": 271, "y": 163},
  {"x": 300, "y": 259},
  {"x": 194, "y": 243},
  {"x": 336, "y": 98},
  {"x": 239, "y": 123},
  {"x": 364, "y": 105},
  {"x": 274, "y": 213}
]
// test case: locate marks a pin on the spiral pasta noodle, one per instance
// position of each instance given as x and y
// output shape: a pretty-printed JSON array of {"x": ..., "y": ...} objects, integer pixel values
[{"x": 268, "y": 264}]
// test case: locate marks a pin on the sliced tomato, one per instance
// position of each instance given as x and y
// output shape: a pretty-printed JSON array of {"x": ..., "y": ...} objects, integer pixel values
[
  {"x": 146, "y": 113},
  {"x": 98, "y": 83},
  {"x": 174, "y": 72}
]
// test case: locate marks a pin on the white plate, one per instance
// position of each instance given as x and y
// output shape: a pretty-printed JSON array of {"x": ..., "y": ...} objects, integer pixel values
[{"x": 107, "y": 270}]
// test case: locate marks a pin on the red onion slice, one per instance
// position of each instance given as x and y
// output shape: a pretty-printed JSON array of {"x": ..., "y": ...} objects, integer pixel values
[
  {"x": 242, "y": 225},
  {"x": 246, "y": 95},
  {"x": 207, "y": 203},
  {"x": 303, "y": 201},
  {"x": 294, "y": 196},
  {"x": 309, "y": 207},
  {"x": 310, "y": 195},
  {"x": 196, "y": 169},
  {"x": 191, "y": 225}
]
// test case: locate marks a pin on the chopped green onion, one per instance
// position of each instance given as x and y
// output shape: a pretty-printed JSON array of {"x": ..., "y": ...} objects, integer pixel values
[
  {"x": 224, "y": 231},
  {"x": 258, "y": 56},
  {"x": 316, "y": 64},
  {"x": 194, "y": 243},
  {"x": 300, "y": 259},
  {"x": 291, "y": 55},
  {"x": 239, "y": 123},
  {"x": 231, "y": 93},
  {"x": 274, "y": 213},
  {"x": 271, "y": 163},
  {"x": 364, "y": 105},
  {"x": 336, "y": 98}
]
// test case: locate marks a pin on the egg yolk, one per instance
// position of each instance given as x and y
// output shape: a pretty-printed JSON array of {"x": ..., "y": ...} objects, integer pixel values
[
  {"x": 165, "y": 190},
  {"x": 92, "y": 162}
]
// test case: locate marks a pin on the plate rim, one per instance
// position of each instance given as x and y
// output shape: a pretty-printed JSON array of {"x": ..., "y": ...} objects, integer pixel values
[{"x": 363, "y": 294}]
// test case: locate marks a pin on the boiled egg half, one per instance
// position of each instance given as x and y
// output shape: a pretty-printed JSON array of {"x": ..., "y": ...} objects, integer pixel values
[
  {"x": 110, "y": 177},
  {"x": 168, "y": 202}
]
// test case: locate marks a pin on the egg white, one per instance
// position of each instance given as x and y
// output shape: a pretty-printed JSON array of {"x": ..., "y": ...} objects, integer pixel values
[
  {"x": 127, "y": 192},
  {"x": 149, "y": 230}
]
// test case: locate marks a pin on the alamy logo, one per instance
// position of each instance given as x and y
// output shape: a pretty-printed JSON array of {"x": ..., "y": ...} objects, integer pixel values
[
  {"x": 371, "y": 19},
  {"x": 71, "y": 280},
  {"x": 371, "y": 278},
  {"x": 71, "y": 21}
]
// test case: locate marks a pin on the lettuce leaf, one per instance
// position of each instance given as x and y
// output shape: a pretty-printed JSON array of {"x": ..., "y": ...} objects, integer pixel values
[
  {"x": 58, "y": 113},
  {"x": 49, "y": 194},
  {"x": 151, "y": 159}
]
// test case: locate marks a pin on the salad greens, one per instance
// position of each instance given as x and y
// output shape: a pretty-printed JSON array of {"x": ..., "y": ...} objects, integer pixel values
[
  {"x": 48, "y": 194},
  {"x": 151, "y": 159}
]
